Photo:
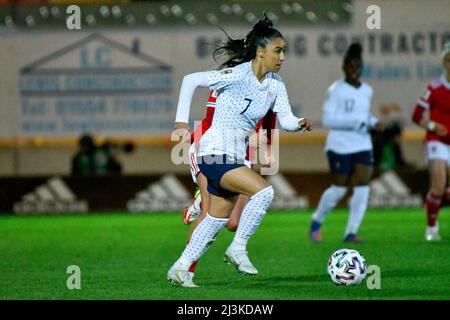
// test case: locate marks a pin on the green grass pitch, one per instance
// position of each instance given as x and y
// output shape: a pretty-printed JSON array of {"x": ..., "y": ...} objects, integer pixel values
[{"x": 126, "y": 256}]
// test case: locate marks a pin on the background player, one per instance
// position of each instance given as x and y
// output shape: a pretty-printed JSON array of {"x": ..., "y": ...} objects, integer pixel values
[
  {"x": 348, "y": 145},
  {"x": 436, "y": 100}
]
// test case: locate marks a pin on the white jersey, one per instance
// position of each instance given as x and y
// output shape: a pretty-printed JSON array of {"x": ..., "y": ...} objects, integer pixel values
[
  {"x": 347, "y": 115},
  {"x": 242, "y": 102}
]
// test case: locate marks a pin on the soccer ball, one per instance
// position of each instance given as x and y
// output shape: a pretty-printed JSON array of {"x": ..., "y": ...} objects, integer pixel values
[{"x": 347, "y": 267}]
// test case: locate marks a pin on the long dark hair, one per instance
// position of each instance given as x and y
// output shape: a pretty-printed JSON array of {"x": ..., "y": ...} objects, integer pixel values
[{"x": 242, "y": 50}]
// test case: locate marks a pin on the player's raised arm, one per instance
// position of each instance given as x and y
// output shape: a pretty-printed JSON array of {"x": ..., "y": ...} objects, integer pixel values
[
  {"x": 188, "y": 86},
  {"x": 288, "y": 120}
]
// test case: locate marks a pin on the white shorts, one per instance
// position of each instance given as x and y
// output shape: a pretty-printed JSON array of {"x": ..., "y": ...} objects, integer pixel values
[
  {"x": 438, "y": 150},
  {"x": 193, "y": 167}
]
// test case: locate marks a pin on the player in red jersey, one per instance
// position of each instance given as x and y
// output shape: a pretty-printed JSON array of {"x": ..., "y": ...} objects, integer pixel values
[
  {"x": 436, "y": 100},
  {"x": 192, "y": 212},
  {"x": 197, "y": 210}
]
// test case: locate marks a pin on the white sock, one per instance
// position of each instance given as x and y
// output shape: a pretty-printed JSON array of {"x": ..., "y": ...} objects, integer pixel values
[
  {"x": 358, "y": 207},
  {"x": 252, "y": 216},
  {"x": 328, "y": 201},
  {"x": 239, "y": 244},
  {"x": 201, "y": 239},
  {"x": 433, "y": 229}
]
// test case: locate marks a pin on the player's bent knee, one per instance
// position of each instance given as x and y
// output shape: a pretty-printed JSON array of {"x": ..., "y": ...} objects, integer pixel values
[{"x": 267, "y": 193}]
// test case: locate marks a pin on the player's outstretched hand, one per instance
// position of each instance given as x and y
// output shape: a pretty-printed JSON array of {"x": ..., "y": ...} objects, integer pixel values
[
  {"x": 305, "y": 125},
  {"x": 269, "y": 159},
  {"x": 181, "y": 132}
]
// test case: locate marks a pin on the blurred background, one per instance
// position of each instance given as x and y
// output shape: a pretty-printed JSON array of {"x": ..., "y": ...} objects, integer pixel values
[{"x": 86, "y": 115}]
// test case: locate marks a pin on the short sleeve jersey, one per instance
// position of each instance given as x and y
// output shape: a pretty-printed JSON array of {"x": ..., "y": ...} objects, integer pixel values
[
  {"x": 347, "y": 102},
  {"x": 241, "y": 103}
]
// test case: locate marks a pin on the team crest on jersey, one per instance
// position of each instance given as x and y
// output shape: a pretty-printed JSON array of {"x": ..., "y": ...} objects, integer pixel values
[{"x": 426, "y": 94}]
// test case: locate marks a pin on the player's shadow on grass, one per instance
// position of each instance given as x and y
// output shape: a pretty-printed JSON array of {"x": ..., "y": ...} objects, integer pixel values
[
  {"x": 289, "y": 280},
  {"x": 279, "y": 281}
]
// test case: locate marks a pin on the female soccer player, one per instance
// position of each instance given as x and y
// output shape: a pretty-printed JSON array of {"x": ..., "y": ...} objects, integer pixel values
[
  {"x": 436, "y": 99},
  {"x": 200, "y": 206},
  {"x": 249, "y": 87},
  {"x": 348, "y": 145}
]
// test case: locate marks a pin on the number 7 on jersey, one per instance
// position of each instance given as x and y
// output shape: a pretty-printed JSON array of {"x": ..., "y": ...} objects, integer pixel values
[{"x": 248, "y": 105}]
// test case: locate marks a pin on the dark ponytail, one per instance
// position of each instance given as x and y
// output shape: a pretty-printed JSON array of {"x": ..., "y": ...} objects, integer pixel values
[{"x": 242, "y": 50}]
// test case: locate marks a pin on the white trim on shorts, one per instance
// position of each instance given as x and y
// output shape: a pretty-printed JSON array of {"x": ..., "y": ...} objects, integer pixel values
[
  {"x": 193, "y": 167},
  {"x": 437, "y": 150},
  {"x": 195, "y": 170}
]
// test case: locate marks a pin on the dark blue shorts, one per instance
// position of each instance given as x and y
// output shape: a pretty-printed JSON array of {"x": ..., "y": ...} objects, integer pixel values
[
  {"x": 214, "y": 167},
  {"x": 345, "y": 163}
]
